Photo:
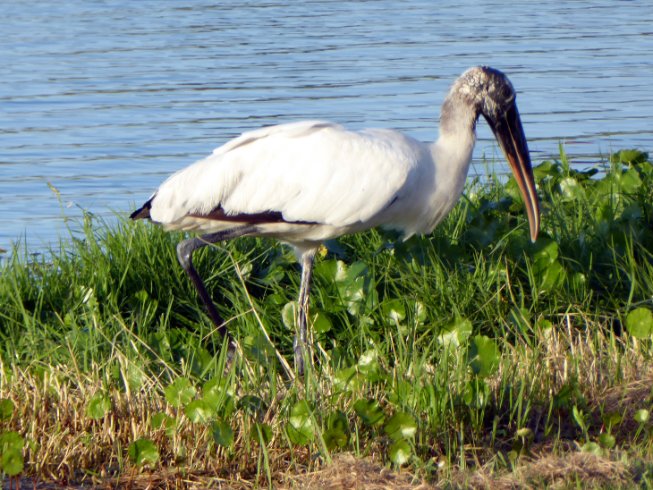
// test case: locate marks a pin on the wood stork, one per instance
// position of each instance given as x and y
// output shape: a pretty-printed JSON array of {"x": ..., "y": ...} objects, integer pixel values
[{"x": 310, "y": 181}]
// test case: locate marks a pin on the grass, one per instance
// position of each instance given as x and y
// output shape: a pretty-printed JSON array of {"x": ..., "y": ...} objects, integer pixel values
[{"x": 467, "y": 358}]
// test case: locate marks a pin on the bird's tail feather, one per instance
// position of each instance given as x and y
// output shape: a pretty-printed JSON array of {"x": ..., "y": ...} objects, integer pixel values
[{"x": 143, "y": 212}]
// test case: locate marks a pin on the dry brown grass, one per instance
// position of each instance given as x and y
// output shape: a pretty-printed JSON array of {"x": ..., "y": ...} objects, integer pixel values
[
  {"x": 66, "y": 447},
  {"x": 346, "y": 472},
  {"x": 578, "y": 349},
  {"x": 549, "y": 471},
  {"x": 349, "y": 472}
]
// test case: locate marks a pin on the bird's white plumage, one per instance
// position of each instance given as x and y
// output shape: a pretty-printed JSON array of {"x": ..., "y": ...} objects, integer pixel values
[
  {"x": 310, "y": 181},
  {"x": 323, "y": 179}
]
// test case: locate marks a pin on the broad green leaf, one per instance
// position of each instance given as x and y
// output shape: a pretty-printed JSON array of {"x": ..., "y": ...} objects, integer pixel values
[
  {"x": 400, "y": 452},
  {"x": 544, "y": 325},
  {"x": 134, "y": 376},
  {"x": 160, "y": 344},
  {"x": 223, "y": 434},
  {"x": 335, "y": 439},
  {"x": 11, "y": 440},
  {"x": 200, "y": 360},
  {"x": 545, "y": 252},
  {"x": 354, "y": 294},
  {"x": 223, "y": 403},
  {"x": 629, "y": 156},
  {"x": 476, "y": 394},
  {"x": 592, "y": 448},
  {"x": 354, "y": 286},
  {"x": 337, "y": 433},
  {"x": 142, "y": 296},
  {"x": 199, "y": 412},
  {"x": 571, "y": 190},
  {"x": 546, "y": 169},
  {"x": 525, "y": 433},
  {"x": 6, "y": 408},
  {"x": 551, "y": 277},
  {"x": 394, "y": 310},
  {"x": 348, "y": 379},
  {"x": 630, "y": 181},
  {"x": 289, "y": 314},
  {"x": 218, "y": 396},
  {"x": 642, "y": 416},
  {"x": 369, "y": 411},
  {"x": 483, "y": 355},
  {"x": 301, "y": 428},
  {"x": 347, "y": 274},
  {"x": 12, "y": 462},
  {"x": 98, "y": 406},
  {"x": 548, "y": 271},
  {"x": 368, "y": 363},
  {"x": 180, "y": 392},
  {"x": 338, "y": 420},
  {"x": 170, "y": 424},
  {"x": 328, "y": 268},
  {"x": 321, "y": 322},
  {"x": 142, "y": 452},
  {"x": 159, "y": 420},
  {"x": 420, "y": 312},
  {"x": 607, "y": 441},
  {"x": 639, "y": 323},
  {"x": 401, "y": 425},
  {"x": 276, "y": 299},
  {"x": 456, "y": 333},
  {"x": 217, "y": 386},
  {"x": 11, "y": 453}
]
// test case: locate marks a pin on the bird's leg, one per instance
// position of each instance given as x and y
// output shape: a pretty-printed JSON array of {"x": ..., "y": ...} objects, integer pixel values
[
  {"x": 301, "y": 335},
  {"x": 185, "y": 251}
]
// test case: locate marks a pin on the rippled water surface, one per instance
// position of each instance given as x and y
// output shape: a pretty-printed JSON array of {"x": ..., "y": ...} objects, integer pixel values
[{"x": 103, "y": 99}]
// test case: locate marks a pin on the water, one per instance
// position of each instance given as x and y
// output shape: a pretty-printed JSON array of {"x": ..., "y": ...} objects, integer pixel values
[{"x": 103, "y": 99}]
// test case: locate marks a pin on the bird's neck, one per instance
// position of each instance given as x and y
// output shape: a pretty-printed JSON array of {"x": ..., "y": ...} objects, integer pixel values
[
  {"x": 452, "y": 154},
  {"x": 458, "y": 114},
  {"x": 457, "y": 137}
]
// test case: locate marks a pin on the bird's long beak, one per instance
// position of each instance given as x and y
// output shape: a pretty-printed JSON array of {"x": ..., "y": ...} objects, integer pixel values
[{"x": 508, "y": 130}]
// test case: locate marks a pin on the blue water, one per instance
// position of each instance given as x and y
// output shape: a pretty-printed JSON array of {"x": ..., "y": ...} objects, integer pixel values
[{"x": 103, "y": 99}]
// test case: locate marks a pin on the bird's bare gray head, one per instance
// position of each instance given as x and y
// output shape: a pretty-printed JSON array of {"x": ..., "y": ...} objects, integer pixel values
[
  {"x": 484, "y": 90},
  {"x": 480, "y": 90}
]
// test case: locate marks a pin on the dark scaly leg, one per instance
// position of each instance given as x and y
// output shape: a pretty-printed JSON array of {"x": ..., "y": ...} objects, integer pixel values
[
  {"x": 301, "y": 336},
  {"x": 185, "y": 251}
]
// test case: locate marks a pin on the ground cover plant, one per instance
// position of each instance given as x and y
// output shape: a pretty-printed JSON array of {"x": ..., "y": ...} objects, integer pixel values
[{"x": 467, "y": 358}]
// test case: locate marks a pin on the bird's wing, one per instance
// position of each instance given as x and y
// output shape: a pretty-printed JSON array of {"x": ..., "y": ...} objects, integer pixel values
[{"x": 311, "y": 171}]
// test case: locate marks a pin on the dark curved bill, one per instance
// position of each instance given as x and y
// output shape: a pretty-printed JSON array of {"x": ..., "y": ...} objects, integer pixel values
[{"x": 509, "y": 133}]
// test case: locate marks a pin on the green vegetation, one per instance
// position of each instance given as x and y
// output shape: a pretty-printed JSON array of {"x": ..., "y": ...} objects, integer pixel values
[{"x": 471, "y": 353}]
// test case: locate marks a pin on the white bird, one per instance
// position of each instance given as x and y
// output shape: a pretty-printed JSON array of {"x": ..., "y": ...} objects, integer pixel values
[{"x": 310, "y": 181}]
